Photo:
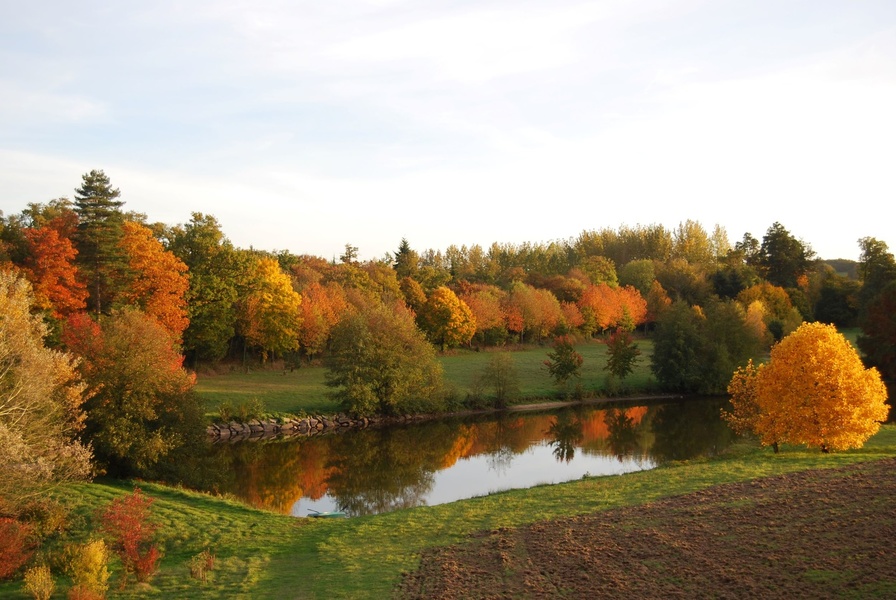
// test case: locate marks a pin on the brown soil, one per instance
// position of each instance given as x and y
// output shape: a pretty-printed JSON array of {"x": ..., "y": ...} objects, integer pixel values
[{"x": 817, "y": 534}]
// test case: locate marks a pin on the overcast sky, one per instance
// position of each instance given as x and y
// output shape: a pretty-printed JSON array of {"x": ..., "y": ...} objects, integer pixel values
[{"x": 308, "y": 125}]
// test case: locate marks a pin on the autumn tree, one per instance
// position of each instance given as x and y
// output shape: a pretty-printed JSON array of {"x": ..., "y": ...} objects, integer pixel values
[
  {"x": 380, "y": 363},
  {"x": 272, "y": 318},
  {"x": 157, "y": 279},
  {"x": 485, "y": 302},
  {"x": 50, "y": 266},
  {"x": 141, "y": 405},
  {"x": 814, "y": 390},
  {"x": 99, "y": 231},
  {"x": 413, "y": 294},
  {"x": 41, "y": 400},
  {"x": 446, "y": 319},
  {"x": 322, "y": 308}
]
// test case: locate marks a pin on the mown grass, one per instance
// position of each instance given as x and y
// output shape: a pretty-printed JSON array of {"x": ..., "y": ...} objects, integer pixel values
[
  {"x": 303, "y": 390},
  {"x": 265, "y": 555}
]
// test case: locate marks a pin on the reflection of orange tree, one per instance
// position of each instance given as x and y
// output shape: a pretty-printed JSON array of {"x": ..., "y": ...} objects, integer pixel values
[
  {"x": 274, "y": 476},
  {"x": 513, "y": 434},
  {"x": 605, "y": 430}
]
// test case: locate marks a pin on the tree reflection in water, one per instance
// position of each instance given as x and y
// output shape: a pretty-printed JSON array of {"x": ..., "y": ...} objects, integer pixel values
[
  {"x": 565, "y": 436},
  {"x": 379, "y": 470}
]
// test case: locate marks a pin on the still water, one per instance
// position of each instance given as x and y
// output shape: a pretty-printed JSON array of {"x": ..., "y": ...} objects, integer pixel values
[{"x": 378, "y": 470}]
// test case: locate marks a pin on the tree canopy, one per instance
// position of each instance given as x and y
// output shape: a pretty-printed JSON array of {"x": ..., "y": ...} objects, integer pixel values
[
  {"x": 814, "y": 390},
  {"x": 41, "y": 400}
]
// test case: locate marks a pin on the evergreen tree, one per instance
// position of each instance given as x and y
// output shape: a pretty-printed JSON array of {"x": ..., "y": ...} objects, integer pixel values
[{"x": 99, "y": 232}]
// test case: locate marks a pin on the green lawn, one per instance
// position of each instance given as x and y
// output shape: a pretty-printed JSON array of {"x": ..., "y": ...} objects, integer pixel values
[
  {"x": 301, "y": 390},
  {"x": 265, "y": 555}
]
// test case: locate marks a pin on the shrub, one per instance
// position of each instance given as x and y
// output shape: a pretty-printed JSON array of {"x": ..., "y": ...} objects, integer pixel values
[
  {"x": 89, "y": 570},
  {"x": 39, "y": 582},
  {"x": 225, "y": 412},
  {"x": 16, "y": 546},
  {"x": 46, "y": 516},
  {"x": 201, "y": 564},
  {"x": 126, "y": 521}
]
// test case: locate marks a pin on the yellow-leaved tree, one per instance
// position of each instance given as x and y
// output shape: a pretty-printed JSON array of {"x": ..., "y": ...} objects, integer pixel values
[
  {"x": 814, "y": 390},
  {"x": 447, "y": 319},
  {"x": 272, "y": 316}
]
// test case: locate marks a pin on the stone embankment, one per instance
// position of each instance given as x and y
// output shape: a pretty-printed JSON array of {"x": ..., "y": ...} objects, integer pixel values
[{"x": 256, "y": 429}]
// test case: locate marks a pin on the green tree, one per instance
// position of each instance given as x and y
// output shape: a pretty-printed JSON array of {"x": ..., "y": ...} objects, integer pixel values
[
  {"x": 98, "y": 236},
  {"x": 407, "y": 262},
  {"x": 141, "y": 405},
  {"x": 380, "y": 363},
  {"x": 622, "y": 353},
  {"x": 217, "y": 280},
  {"x": 501, "y": 376},
  {"x": 696, "y": 349},
  {"x": 782, "y": 258},
  {"x": 563, "y": 361},
  {"x": 40, "y": 403},
  {"x": 877, "y": 269},
  {"x": 878, "y": 339}
]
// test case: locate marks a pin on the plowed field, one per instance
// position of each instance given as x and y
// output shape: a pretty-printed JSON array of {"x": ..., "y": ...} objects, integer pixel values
[{"x": 828, "y": 533}]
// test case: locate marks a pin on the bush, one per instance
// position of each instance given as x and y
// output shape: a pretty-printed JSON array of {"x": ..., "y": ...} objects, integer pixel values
[
  {"x": 89, "y": 570},
  {"x": 201, "y": 564},
  {"x": 126, "y": 521},
  {"x": 46, "y": 516},
  {"x": 39, "y": 582},
  {"x": 16, "y": 546}
]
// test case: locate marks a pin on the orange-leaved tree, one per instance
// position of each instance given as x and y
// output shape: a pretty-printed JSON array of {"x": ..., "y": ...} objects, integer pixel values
[
  {"x": 158, "y": 281},
  {"x": 814, "y": 390},
  {"x": 50, "y": 267}
]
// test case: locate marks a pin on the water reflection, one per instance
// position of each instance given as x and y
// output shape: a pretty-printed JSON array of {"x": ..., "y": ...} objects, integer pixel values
[{"x": 379, "y": 470}]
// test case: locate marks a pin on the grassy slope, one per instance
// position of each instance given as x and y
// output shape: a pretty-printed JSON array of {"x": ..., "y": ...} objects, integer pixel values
[
  {"x": 264, "y": 555},
  {"x": 304, "y": 389}
]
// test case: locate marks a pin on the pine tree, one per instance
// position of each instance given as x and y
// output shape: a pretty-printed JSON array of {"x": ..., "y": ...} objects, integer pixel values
[{"x": 99, "y": 232}]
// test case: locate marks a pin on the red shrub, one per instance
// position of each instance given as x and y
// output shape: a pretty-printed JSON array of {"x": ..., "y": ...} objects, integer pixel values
[
  {"x": 126, "y": 522},
  {"x": 16, "y": 546}
]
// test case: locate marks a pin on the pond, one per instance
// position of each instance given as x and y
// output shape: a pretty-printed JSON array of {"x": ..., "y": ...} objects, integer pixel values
[{"x": 377, "y": 470}]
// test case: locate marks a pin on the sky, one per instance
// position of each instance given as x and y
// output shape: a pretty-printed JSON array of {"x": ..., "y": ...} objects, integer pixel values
[{"x": 306, "y": 126}]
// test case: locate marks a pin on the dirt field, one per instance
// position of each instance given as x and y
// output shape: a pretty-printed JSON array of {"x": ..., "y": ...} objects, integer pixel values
[{"x": 817, "y": 534}]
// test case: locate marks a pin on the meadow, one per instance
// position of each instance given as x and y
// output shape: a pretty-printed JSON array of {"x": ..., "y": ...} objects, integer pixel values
[{"x": 285, "y": 391}]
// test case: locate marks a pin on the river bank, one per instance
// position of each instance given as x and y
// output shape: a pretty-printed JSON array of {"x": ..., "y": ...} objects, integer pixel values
[{"x": 308, "y": 425}]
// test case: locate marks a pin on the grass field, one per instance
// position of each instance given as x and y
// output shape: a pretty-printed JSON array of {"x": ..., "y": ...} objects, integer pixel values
[
  {"x": 303, "y": 390},
  {"x": 265, "y": 555}
]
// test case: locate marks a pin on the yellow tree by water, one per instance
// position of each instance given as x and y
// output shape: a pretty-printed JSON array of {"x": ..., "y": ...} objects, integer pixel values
[{"x": 814, "y": 391}]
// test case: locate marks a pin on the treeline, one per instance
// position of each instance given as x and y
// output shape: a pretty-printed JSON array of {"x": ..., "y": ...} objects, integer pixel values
[
  {"x": 221, "y": 301},
  {"x": 712, "y": 303}
]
